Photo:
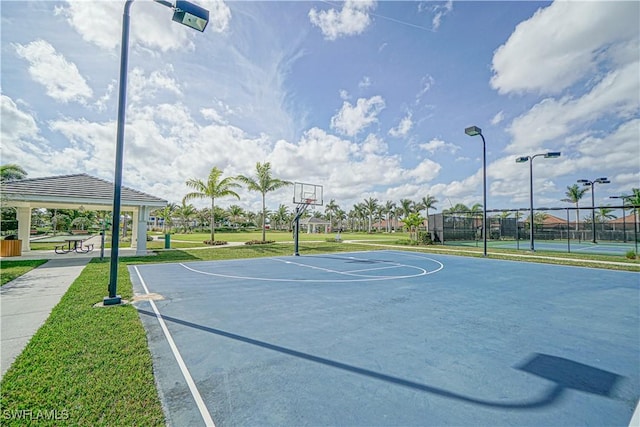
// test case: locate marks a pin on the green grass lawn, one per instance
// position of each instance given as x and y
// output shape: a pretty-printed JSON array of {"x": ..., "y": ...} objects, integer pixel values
[
  {"x": 12, "y": 269},
  {"x": 93, "y": 366}
]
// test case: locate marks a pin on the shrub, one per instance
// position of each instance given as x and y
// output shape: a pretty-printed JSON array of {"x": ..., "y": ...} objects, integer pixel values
[
  {"x": 259, "y": 242},
  {"x": 424, "y": 238},
  {"x": 215, "y": 242},
  {"x": 631, "y": 254}
]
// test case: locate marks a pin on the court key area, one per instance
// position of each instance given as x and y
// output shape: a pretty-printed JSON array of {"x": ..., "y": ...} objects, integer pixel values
[{"x": 391, "y": 338}]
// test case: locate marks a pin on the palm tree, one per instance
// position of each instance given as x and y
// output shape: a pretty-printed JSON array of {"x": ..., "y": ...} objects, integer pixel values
[
  {"x": 213, "y": 188},
  {"x": 370, "y": 205},
  {"x": 413, "y": 221},
  {"x": 280, "y": 216},
  {"x": 186, "y": 212},
  {"x": 388, "y": 211},
  {"x": 263, "y": 183},
  {"x": 604, "y": 214},
  {"x": 574, "y": 194},
  {"x": 166, "y": 213},
  {"x": 407, "y": 206},
  {"x": 330, "y": 209},
  {"x": 235, "y": 212},
  {"x": 428, "y": 202},
  {"x": 12, "y": 172}
]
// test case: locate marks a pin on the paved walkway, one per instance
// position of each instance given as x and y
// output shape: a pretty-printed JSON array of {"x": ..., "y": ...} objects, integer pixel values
[{"x": 26, "y": 302}]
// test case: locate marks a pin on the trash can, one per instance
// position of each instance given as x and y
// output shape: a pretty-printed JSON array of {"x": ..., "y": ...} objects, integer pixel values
[{"x": 167, "y": 241}]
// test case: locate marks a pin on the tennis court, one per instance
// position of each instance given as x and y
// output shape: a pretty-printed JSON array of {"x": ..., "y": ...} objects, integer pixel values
[{"x": 391, "y": 338}]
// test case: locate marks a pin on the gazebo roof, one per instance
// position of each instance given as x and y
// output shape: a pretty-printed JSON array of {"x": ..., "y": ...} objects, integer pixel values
[
  {"x": 313, "y": 220},
  {"x": 73, "y": 190}
]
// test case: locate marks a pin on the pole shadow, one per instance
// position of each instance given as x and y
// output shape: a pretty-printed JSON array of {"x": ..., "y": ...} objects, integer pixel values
[{"x": 565, "y": 373}]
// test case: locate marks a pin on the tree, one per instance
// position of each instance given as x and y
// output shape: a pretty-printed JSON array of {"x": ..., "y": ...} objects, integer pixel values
[
  {"x": 331, "y": 209},
  {"x": 213, "y": 188},
  {"x": 166, "y": 213},
  {"x": 263, "y": 183},
  {"x": 186, "y": 212},
  {"x": 604, "y": 214},
  {"x": 413, "y": 221},
  {"x": 407, "y": 206},
  {"x": 428, "y": 202},
  {"x": 574, "y": 194},
  {"x": 388, "y": 211},
  {"x": 235, "y": 212},
  {"x": 12, "y": 172},
  {"x": 371, "y": 206}
]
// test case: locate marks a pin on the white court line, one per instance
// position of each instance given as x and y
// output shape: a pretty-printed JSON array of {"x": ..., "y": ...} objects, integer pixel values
[
  {"x": 635, "y": 419},
  {"x": 204, "y": 412}
]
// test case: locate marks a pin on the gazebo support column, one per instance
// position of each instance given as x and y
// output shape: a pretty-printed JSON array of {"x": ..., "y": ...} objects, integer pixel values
[
  {"x": 140, "y": 228},
  {"x": 24, "y": 227}
]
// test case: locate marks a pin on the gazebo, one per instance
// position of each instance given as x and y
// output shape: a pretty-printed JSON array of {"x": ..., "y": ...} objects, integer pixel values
[
  {"x": 78, "y": 191},
  {"x": 312, "y": 224}
]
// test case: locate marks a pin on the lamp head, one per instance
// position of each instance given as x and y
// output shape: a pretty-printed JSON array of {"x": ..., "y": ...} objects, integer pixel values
[
  {"x": 552, "y": 155},
  {"x": 602, "y": 181},
  {"x": 191, "y": 15},
  {"x": 584, "y": 181},
  {"x": 522, "y": 159},
  {"x": 473, "y": 131}
]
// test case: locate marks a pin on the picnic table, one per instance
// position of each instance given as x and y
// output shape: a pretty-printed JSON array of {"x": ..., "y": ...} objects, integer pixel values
[{"x": 69, "y": 244}]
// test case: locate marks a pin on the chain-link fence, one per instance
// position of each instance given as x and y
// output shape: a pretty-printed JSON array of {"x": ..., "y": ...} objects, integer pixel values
[{"x": 614, "y": 226}]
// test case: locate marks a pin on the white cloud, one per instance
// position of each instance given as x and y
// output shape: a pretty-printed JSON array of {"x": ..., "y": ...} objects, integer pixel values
[
  {"x": 100, "y": 23},
  {"x": 403, "y": 127},
  {"x": 352, "y": 19},
  {"x": 350, "y": 120},
  {"x": 562, "y": 43},
  {"x": 439, "y": 13},
  {"x": 438, "y": 145},
  {"x": 425, "y": 171},
  {"x": 617, "y": 94},
  {"x": 145, "y": 87},
  {"x": 365, "y": 82},
  {"x": 498, "y": 118},
  {"x": 344, "y": 95},
  {"x": 61, "y": 78},
  {"x": 425, "y": 84}
]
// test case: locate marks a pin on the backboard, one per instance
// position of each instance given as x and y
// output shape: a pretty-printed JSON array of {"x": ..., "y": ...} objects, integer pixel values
[{"x": 308, "y": 194}]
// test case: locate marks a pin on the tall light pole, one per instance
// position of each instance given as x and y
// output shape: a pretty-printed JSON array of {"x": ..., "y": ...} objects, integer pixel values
[
  {"x": 592, "y": 184},
  {"x": 549, "y": 155},
  {"x": 473, "y": 131},
  {"x": 187, "y": 14}
]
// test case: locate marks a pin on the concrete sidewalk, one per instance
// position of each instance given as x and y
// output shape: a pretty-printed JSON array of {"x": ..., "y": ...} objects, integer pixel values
[{"x": 26, "y": 302}]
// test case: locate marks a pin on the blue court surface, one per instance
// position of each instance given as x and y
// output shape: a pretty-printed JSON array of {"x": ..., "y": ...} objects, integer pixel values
[{"x": 391, "y": 338}]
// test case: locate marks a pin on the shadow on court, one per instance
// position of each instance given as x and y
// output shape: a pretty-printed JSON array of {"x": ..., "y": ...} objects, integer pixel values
[{"x": 565, "y": 373}]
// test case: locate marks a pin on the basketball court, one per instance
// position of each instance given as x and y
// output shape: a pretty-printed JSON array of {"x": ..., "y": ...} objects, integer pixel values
[{"x": 391, "y": 338}]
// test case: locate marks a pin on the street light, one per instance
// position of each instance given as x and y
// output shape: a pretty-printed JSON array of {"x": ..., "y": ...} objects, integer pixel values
[
  {"x": 187, "y": 14},
  {"x": 592, "y": 184},
  {"x": 473, "y": 131},
  {"x": 522, "y": 159}
]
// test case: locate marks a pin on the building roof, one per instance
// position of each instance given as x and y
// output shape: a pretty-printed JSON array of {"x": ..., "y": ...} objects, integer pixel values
[
  {"x": 73, "y": 190},
  {"x": 313, "y": 220}
]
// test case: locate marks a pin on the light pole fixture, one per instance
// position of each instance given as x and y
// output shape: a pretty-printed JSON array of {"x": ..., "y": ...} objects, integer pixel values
[
  {"x": 592, "y": 184},
  {"x": 187, "y": 14},
  {"x": 523, "y": 159},
  {"x": 473, "y": 131}
]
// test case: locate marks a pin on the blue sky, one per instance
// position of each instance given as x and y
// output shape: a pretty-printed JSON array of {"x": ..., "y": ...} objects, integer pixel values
[{"x": 369, "y": 99}]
